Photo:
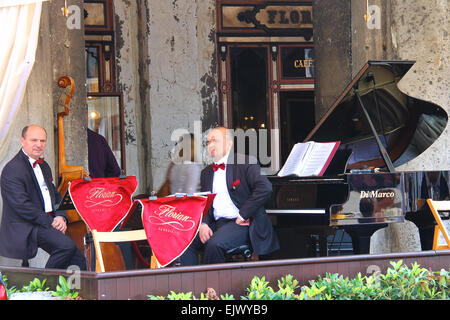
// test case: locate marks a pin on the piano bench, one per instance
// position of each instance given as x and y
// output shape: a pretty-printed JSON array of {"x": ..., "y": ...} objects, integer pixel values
[{"x": 241, "y": 253}]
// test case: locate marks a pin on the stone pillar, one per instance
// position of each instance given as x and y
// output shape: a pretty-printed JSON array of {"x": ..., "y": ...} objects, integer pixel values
[
  {"x": 371, "y": 40},
  {"x": 67, "y": 58},
  {"x": 182, "y": 75},
  {"x": 131, "y": 31},
  {"x": 332, "y": 51}
]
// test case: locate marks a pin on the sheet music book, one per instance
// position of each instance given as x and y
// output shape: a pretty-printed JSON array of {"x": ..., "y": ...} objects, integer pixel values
[{"x": 309, "y": 159}]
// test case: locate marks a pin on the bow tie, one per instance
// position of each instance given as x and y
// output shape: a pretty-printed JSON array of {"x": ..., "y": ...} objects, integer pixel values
[
  {"x": 218, "y": 166},
  {"x": 38, "y": 161}
]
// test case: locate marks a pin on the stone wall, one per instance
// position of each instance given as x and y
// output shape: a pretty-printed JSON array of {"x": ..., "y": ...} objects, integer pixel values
[{"x": 182, "y": 74}]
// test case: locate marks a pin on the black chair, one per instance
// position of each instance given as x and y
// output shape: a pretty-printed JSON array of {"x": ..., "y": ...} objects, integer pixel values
[{"x": 241, "y": 253}]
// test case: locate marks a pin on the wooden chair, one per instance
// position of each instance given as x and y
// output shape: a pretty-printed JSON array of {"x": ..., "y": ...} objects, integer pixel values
[
  {"x": 119, "y": 236},
  {"x": 435, "y": 207}
]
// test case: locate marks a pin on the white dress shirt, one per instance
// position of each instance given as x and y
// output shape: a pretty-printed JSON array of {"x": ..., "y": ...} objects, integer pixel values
[
  {"x": 223, "y": 205},
  {"x": 43, "y": 186}
]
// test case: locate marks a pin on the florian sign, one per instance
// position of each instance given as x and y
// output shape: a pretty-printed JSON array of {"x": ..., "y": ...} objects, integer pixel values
[
  {"x": 103, "y": 202},
  {"x": 270, "y": 17},
  {"x": 171, "y": 223}
]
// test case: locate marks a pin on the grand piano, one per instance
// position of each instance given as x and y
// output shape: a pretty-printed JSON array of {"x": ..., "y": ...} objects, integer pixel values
[{"x": 361, "y": 191}]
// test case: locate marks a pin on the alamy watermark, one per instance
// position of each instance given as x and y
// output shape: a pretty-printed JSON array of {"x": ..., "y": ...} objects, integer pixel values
[
  {"x": 74, "y": 280},
  {"x": 192, "y": 146},
  {"x": 373, "y": 17}
]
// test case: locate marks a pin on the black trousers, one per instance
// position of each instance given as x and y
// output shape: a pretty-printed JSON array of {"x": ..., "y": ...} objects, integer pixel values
[
  {"x": 62, "y": 250},
  {"x": 226, "y": 235}
]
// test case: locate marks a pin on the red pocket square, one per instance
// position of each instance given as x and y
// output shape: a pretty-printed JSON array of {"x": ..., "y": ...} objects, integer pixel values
[{"x": 234, "y": 184}]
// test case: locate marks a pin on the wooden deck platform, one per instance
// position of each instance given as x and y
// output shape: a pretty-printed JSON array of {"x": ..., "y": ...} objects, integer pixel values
[{"x": 232, "y": 278}]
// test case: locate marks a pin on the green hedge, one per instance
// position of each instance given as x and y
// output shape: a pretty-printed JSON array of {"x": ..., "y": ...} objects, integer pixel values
[{"x": 398, "y": 283}]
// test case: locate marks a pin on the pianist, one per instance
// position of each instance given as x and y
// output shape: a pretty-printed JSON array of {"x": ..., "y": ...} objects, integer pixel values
[{"x": 237, "y": 216}]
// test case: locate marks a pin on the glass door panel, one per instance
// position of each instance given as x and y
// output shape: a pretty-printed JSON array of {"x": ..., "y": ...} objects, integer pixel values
[
  {"x": 250, "y": 105},
  {"x": 104, "y": 117}
]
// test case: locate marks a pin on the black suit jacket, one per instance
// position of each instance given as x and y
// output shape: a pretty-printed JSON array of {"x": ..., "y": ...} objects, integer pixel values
[
  {"x": 249, "y": 196},
  {"x": 23, "y": 207}
]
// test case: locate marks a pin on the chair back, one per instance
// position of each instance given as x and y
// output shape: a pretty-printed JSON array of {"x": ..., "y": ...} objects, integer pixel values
[{"x": 435, "y": 207}]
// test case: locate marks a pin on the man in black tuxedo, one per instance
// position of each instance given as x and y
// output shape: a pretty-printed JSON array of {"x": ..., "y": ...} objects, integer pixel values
[
  {"x": 102, "y": 163},
  {"x": 29, "y": 197},
  {"x": 237, "y": 215}
]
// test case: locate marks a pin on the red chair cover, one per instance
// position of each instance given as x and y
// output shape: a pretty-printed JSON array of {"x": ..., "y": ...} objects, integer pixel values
[
  {"x": 103, "y": 202},
  {"x": 171, "y": 223}
]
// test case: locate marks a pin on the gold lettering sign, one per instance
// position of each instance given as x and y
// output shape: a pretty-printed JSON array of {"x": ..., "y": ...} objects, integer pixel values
[
  {"x": 282, "y": 17},
  {"x": 303, "y": 63},
  {"x": 272, "y": 18}
]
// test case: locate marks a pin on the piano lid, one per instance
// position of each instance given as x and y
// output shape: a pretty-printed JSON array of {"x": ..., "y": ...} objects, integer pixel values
[{"x": 399, "y": 120}]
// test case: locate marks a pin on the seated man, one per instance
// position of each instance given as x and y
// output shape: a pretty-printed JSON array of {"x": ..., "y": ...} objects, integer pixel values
[
  {"x": 237, "y": 216},
  {"x": 29, "y": 197}
]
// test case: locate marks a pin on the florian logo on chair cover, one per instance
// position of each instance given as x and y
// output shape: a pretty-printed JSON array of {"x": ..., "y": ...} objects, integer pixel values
[
  {"x": 167, "y": 216},
  {"x": 103, "y": 202},
  {"x": 101, "y": 197},
  {"x": 171, "y": 223}
]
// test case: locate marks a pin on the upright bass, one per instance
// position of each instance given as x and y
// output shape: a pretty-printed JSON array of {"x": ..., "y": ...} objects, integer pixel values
[{"x": 76, "y": 227}]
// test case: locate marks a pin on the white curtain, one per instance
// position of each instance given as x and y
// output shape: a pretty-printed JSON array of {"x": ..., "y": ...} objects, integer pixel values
[{"x": 19, "y": 29}]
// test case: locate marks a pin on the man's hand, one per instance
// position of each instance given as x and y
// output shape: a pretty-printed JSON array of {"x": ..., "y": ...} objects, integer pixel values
[
  {"x": 205, "y": 232},
  {"x": 59, "y": 224},
  {"x": 242, "y": 223}
]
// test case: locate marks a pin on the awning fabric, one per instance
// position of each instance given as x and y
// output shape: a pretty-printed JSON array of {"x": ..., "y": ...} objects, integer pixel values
[{"x": 19, "y": 22}]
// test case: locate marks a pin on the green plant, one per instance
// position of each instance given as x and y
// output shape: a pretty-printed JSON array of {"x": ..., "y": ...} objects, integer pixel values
[
  {"x": 399, "y": 282},
  {"x": 63, "y": 290},
  {"x": 11, "y": 290},
  {"x": 336, "y": 287},
  {"x": 259, "y": 290},
  {"x": 403, "y": 283},
  {"x": 35, "y": 285},
  {"x": 227, "y": 297},
  {"x": 180, "y": 296}
]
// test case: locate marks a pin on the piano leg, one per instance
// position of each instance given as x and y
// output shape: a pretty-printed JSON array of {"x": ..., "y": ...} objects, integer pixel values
[{"x": 361, "y": 234}]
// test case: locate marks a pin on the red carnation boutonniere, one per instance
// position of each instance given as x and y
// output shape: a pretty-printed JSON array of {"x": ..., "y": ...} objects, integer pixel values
[{"x": 235, "y": 184}]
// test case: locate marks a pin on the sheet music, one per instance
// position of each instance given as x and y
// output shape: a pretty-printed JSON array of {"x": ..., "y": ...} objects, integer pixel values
[
  {"x": 320, "y": 152},
  {"x": 295, "y": 159},
  {"x": 308, "y": 159}
]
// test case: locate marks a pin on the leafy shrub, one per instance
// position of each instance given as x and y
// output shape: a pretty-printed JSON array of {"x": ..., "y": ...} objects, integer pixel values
[
  {"x": 62, "y": 290},
  {"x": 398, "y": 283},
  {"x": 260, "y": 290},
  {"x": 9, "y": 290},
  {"x": 35, "y": 285}
]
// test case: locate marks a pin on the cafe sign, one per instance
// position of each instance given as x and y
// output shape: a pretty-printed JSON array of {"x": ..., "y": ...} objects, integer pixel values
[{"x": 269, "y": 17}]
